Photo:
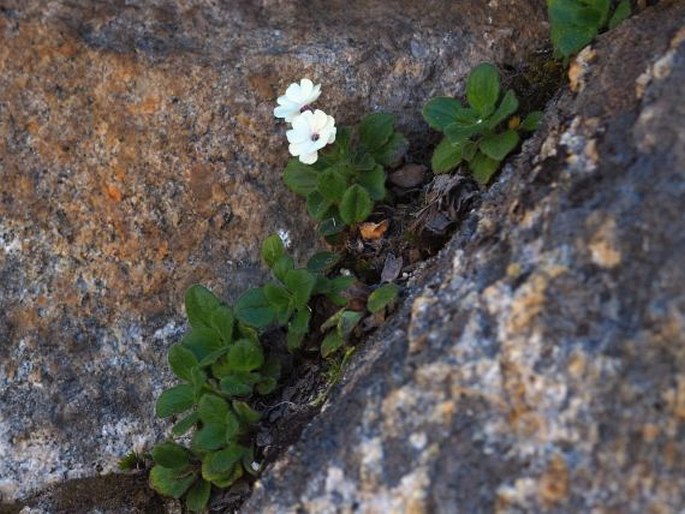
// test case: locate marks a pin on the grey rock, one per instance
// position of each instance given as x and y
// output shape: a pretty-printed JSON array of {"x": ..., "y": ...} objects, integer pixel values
[
  {"x": 139, "y": 154},
  {"x": 538, "y": 364}
]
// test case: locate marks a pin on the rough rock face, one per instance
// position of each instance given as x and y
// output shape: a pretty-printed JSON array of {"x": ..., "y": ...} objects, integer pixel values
[
  {"x": 138, "y": 155},
  {"x": 539, "y": 365}
]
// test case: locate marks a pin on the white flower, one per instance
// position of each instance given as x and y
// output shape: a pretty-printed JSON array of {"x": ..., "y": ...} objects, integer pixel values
[
  {"x": 310, "y": 133},
  {"x": 296, "y": 99}
]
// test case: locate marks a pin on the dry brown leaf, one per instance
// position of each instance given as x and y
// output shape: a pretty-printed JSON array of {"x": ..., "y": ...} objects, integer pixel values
[{"x": 371, "y": 231}]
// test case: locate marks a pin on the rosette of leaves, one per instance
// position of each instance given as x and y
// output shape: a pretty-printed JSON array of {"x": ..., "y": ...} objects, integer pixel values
[
  {"x": 341, "y": 325},
  {"x": 220, "y": 363},
  {"x": 285, "y": 301},
  {"x": 477, "y": 134},
  {"x": 575, "y": 23},
  {"x": 349, "y": 176}
]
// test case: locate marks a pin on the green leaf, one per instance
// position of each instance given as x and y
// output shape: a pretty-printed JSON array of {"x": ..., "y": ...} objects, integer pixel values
[
  {"x": 236, "y": 384},
  {"x": 247, "y": 460},
  {"x": 356, "y": 205},
  {"x": 575, "y": 23},
  {"x": 300, "y": 283},
  {"x": 212, "y": 409},
  {"x": 331, "y": 343},
  {"x": 266, "y": 386},
  {"x": 185, "y": 424},
  {"x": 245, "y": 412},
  {"x": 229, "y": 479},
  {"x": 482, "y": 88},
  {"x": 446, "y": 156},
  {"x": 570, "y": 40},
  {"x": 321, "y": 262},
  {"x": 621, "y": 13},
  {"x": 217, "y": 465},
  {"x": 222, "y": 321},
  {"x": 363, "y": 160},
  {"x": 181, "y": 361},
  {"x": 338, "y": 151},
  {"x": 381, "y": 297},
  {"x": 170, "y": 455},
  {"x": 252, "y": 308},
  {"x": 392, "y": 152},
  {"x": 300, "y": 321},
  {"x": 441, "y": 111},
  {"x": 209, "y": 437},
  {"x": 336, "y": 286},
  {"x": 332, "y": 185},
  {"x": 245, "y": 355},
  {"x": 175, "y": 400},
  {"x": 277, "y": 296},
  {"x": 506, "y": 108},
  {"x": 232, "y": 426},
  {"x": 198, "y": 496},
  {"x": 498, "y": 146},
  {"x": 297, "y": 329},
  {"x": 332, "y": 321},
  {"x": 171, "y": 481},
  {"x": 531, "y": 122},
  {"x": 198, "y": 380},
  {"x": 293, "y": 340},
  {"x": 200, "y": 302},
  {"x": 282, "y": 266},
  {"x": 347, "y": 323},
  {"x": 317, "y": 205},
  {"x": 375, "y": 130},
  {"x": 458, "y": 132},
  {"x": 202, "y": 342},
  {"x": 469, "y": 149},
  {"x": 300, "y": 178},
  {"x": 213, "y": 357},
  {"x": 331, "y": 224},
  {"x": 374, "y": 182},
  {"x": 272, "y": 249},
  {"x": 483, "y": 167}
]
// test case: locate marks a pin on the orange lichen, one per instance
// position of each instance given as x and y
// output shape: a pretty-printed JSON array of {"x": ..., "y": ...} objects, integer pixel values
[
  {"x": 554, "y": 483},
  {"x": 114, "y": 193}
]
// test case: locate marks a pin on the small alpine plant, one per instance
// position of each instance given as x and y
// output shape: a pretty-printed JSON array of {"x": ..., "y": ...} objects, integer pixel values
[
  {"x": 340, "y": 172},
  {"x": 477, "y": 134}
]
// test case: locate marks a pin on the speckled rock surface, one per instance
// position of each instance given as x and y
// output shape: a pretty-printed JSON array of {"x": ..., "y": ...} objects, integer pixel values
[
  {"x": 138, "y": 155},
  {"x": 539, "y": 364}
]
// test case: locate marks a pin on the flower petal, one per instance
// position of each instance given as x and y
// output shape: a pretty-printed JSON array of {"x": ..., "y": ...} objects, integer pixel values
[
  {"x": 331, "y": 138},
  {"x": 306, "y": 87},
  {"x": 300, "y": 148},
  {"x": 293, "y": 93},
  {"x": 316, "y": 92},
  {"x": 309, "y": 158},
  {"x": 297, "y": 136},
  {"x": 285, "y": 111}
]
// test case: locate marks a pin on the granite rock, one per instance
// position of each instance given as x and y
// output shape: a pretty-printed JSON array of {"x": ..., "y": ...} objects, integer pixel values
[
  {"x": 138, "y": 155},
  {"x": 538, "y": 364}
]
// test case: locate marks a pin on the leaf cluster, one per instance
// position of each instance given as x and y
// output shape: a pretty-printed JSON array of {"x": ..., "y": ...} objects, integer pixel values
[
  {"x": 284, "y": 302},
  {"x": 575, "y": 23},
  {"x": 474, "y": 133},
  {"x": 221, "y": 363},
  {"x": 349, "y": 176},
  {"x": 340, "y": 326}
]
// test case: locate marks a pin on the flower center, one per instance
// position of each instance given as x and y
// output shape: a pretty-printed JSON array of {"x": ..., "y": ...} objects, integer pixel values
[
  {"x": 305, "y": 108},
  {"x": 315, "y": 137}
]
